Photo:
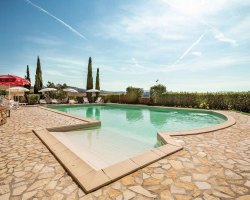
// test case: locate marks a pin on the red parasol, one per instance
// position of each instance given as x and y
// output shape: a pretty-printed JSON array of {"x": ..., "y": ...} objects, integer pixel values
[{"x": 10, "y": 80}]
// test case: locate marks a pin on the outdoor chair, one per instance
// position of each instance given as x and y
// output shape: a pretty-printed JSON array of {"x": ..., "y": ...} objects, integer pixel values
[
  {"x": 72, "y": 101},
  {"x": 65, "y": 100},
  {"x": 13, "y": 104},
  {"x": 85, "y": 100},
  {"x": 99, "y": 100},
  {"x": 42, "y": 101},
  {"x": 54, "y": 101}
]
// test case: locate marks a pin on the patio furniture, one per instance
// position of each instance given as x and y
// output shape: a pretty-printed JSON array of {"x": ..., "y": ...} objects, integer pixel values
[
  {"x": 93, "y": 91},
  {"x": 99, "y": 100},
  {"x": 54, "y": 101},
  {"x": 85, "y": 100},
  {"x": 65, "y": 100},
  {"x": 22, "y": 104},
  {"x": 72, "y": 101},
  {"x": 13, "y": 104},
  {"x": 10, "y": 80},
  {"x": 42, "y": 101}
]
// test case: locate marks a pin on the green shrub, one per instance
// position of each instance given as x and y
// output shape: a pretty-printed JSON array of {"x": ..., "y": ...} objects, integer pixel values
[
  {"x": 133, "y": 94},
  {"x": 3, "y": 92},
  {"x": 113, "y": 98},
  {"x": 156, "y": 92},
  {"x": 33, "y": 98},
  {"x": 219, "y": 101}
]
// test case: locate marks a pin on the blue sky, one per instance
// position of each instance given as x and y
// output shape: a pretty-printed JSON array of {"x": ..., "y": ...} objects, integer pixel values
[{"x": 188, "y": 45}]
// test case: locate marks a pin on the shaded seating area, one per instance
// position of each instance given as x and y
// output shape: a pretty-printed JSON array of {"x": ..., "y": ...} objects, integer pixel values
[
  {"x": 72, "y": 101},
  {"x": 54, "y": 101},
  {"x": 85, "y": 100},
  {"x": 42, "y": 101},
  {"x": 99, "y": 100}
]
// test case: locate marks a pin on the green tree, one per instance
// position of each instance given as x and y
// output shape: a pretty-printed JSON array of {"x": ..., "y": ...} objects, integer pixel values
[
  {"x": 133, "y": 94},
  {"x": 59, "y": 94},
  {"x": 38, "y": 78},
  {"x": 89, "y": 77},
  {"x": 27, "y": 77},
  {"x": 97, "y": 80},
  {"x": 156, "y": 92}
]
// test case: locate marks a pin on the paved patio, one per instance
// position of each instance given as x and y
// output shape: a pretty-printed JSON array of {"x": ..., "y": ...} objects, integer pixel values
[{"x": 214, "y": 165}]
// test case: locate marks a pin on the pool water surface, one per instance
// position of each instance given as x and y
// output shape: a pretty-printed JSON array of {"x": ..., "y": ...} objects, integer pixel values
[{"x": 127, "y": 131}]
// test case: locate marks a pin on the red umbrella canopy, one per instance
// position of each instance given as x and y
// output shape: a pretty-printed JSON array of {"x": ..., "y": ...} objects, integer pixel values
[{"x": 10, "y": 80}]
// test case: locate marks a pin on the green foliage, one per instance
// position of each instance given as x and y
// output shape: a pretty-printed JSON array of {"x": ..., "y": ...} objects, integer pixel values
[
  {"x": 97, "y": 81},
  {"x": 156, "y": 92},
  {"x": 3, "y": 92},
  {"x": 133, "y": 94},
  {"x": 59, "y": 94},
  {"x": 51, "y": 85},
  {"x": 27, "y": 77},
  {"x": 114, "y": 98},
  {"x": 38, "y": 78},
  {"x": 220, "y": 100},
  {"x": 89, "y": 78},
  {"x": 33, "y": 98}
]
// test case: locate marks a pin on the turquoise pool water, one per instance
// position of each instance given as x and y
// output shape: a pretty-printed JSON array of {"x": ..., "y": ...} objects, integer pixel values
[{"x": 127, "y": 130}]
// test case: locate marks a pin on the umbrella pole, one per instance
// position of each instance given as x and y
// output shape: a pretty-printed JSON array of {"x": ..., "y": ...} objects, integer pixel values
[{"x": 9, "y": 91}]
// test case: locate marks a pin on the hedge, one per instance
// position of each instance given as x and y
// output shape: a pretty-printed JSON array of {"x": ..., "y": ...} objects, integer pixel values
[{"x": 219, "y": 101}]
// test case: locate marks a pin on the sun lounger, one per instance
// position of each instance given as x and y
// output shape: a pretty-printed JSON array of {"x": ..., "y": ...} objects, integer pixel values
[
  {"x": 54, "y": 101},
  {"x": 42, "y": 101},
  {"x": 85, "y": 100},
  {"x": 72, "y": 101},
  {"x": 99, "y": 100}
]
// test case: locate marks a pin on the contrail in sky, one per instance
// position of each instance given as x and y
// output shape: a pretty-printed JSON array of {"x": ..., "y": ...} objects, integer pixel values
[
  {"x": 57, "y": 19},
  {"x": 190, "y": 48}
]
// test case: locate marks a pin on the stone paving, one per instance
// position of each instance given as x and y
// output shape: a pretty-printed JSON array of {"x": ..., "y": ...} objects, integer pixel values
[{"x": 214, "y": 165}]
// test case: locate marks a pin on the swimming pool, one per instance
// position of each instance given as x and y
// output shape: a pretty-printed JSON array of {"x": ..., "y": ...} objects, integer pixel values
[{"x": 127, "y": 131}]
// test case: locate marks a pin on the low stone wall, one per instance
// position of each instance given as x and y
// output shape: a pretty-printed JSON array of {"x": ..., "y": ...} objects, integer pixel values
[{"x": 3, "y": 115}]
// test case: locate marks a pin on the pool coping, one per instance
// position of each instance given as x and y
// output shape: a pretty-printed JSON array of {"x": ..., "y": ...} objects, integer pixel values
[{"x": 90, "y": 179}]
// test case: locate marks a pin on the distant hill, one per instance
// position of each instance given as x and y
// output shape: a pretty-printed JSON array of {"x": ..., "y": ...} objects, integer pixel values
[{"x": 81, "y": 90}]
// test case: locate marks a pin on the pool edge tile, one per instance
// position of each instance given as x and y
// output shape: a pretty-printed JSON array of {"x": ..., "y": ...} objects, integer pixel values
[
  {"x": 146, "y": 158},
  {"x": 120, "y": 169},
  {"x": 93, "y": 180}
]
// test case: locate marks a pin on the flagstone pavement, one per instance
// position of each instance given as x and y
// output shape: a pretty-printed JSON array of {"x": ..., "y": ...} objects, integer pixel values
[{"x": 212, "y": 166}]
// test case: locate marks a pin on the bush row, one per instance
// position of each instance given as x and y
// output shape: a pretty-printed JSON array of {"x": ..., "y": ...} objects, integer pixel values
[{"x": 219, "y": 101}]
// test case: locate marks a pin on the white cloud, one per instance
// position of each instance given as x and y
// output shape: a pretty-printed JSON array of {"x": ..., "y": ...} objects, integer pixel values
[
  {"x": 196, "y": 53},
  {"x": 44, "y": 41},
  {"x": 222, "y": 38},
  {"x": 198, "y": 10}
]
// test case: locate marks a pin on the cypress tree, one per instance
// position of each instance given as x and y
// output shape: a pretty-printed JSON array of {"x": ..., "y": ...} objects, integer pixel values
[
  {"x": 27, "y": 77},
  {"x": 38, "y": 78},
  {"x": 97, "y": 80},
  {"x": 89, "y": 77}
]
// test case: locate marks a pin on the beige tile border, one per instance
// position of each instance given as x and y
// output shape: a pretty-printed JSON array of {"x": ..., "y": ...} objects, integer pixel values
[
  {"x": 89, "y": 178},
  {"x": 66, "y": 114},
  {"x": 230, "y": 121}
]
